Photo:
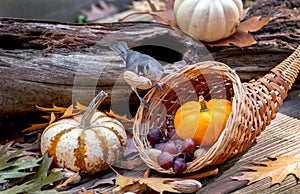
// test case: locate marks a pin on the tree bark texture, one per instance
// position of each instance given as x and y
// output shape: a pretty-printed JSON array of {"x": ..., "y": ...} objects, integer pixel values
[{"x": 45, "y": 63}]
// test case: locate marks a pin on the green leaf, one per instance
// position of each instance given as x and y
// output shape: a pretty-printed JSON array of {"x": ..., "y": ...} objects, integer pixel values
[
  {"x": 13, "y": 164},
  {"x": 4, "y": 176},
  {"x": 8, "y": 160},
  {"x": 38, "y": 180}
]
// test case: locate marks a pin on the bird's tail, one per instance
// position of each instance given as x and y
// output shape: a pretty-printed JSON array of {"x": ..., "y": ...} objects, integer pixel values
[{"x": 121, "y": 48}]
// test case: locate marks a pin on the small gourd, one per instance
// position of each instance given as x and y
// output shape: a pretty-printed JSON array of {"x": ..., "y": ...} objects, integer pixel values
[
  {"x": 85, "y": 143},
  {"x": 202, "y": 121},
  {"x": 208, "y": 20}
]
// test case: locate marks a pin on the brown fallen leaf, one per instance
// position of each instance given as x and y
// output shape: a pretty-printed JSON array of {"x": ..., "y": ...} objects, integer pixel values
[
  {"x": 35, "y": 127},
  {"x": 135, "y": 188},
  {"x": 71, "y": 178},
  {"x": 70, "y": 112},
  {"x": 85, "y": 191},
  {"x": 157, "y": 184},
  {"x": 277, "y": 169},
  {"x": 123, "y": 118},
  {"x": 242, "y": 38},
  {"x": 161, "y": 16},
  {"x": 144, "y": 5},
  {"x": 79, "y": 106},
  {"x": 55, "y": 109},
  {"x": 254, "y": 24}
]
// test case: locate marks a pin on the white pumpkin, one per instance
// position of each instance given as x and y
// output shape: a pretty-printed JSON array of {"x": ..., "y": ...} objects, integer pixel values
[
  {"x": 208, "y": 20},
  {"x": 86, "y": 142}
]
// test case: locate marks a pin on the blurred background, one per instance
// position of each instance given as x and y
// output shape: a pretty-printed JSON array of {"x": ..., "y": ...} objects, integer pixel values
[
  {"x": 56, "y": 10},
  {"x": 73, "y": 11}
]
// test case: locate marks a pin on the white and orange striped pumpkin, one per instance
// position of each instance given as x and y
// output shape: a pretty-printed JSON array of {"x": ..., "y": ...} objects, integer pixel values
[{"x": 86, "y": 142}]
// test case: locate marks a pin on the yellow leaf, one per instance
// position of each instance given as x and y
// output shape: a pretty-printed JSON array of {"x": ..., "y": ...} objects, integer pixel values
[
  {"x": 70, "y": 112},
  {"x": 158, "y": 184},
  {"x": 35, "y": 127},
  {"x": 79, "y": 106},
  {"x": 55, "y": 109},
  {"x": 277, "y": 169},
  {"x": 116, "y": 116},
  {"x": 52, "y": 118}
]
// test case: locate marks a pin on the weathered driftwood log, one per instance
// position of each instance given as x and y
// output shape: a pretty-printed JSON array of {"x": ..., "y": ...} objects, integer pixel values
[{"x": 45, "y": 63}]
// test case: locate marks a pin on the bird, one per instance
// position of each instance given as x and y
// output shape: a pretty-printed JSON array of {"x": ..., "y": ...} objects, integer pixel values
[{"x": 142, "y": 65}]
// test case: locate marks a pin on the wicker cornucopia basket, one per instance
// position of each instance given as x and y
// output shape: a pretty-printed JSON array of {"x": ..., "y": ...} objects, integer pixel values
[{"x": 254, "y": 105}]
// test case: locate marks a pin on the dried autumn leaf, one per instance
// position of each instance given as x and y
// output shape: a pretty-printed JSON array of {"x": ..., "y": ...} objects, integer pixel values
[
  {"x": 161, "y": 16},
  {"x": 72, "y": 179},
  {"x": 85, "y": 191},
  {"x": 123, "y": 118},
  {"x": 277, "y": 170},
  {"x": 98, "y": 13},
  {"x": 67, "y": 112},
  {"x": 242, "y": 38},
  {"x": 239, "y": 39},
  {"x": 158, "y": 184},
  {"x": 79, "y": 106},
  {"x": 70, "y": 112},
  {"x": 253, "y": 24},
  {"x": 55, "y": 109},
  {"x": 165, "y": 17},
  {"x": 144, "y": 5},
  {"x": 35, "y": 127}
]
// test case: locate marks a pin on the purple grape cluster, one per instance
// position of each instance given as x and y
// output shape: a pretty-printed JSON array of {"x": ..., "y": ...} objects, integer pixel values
[{"x": 175, "y": 152}]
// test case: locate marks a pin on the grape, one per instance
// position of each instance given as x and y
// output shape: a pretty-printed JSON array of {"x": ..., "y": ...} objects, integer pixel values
[
  {"x": 179, "y": 165},
  {"x": 165, "y": 160},
  {"x": 158, "y": 146},
  {"x": 172, "y": 134},
  {"x": 178, "y": 143},
  {"x": 188, "y": 146},
  {"x": 154, "y": 136},
  {"x": 169, "y": 147}
]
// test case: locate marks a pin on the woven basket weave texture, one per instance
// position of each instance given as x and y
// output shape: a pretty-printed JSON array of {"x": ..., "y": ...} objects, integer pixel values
[{"x": 254, "y": 105}]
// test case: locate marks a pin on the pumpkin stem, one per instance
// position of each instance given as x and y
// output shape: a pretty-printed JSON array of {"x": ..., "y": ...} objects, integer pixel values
[
  {"x": 203, "y": 107},
  {"x": 91, "y": 109}
]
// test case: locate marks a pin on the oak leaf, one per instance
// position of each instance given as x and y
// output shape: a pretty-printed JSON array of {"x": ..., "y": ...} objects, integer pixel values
[
  {"x": 242, "y": 38},
  {"x": 123, "y": 118},
  {"x": 277, "y": 169},
  {"x": 161, "y": 16},
  {"x": 38, "y": 126},
  {"x": 158, "y": 184},
  {"x": 55, "y": 109},
  {"x": 144, "y": 5}
]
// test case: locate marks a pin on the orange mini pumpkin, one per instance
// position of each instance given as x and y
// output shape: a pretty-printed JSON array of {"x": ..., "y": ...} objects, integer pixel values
[{"x": 202, "y": 121}]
